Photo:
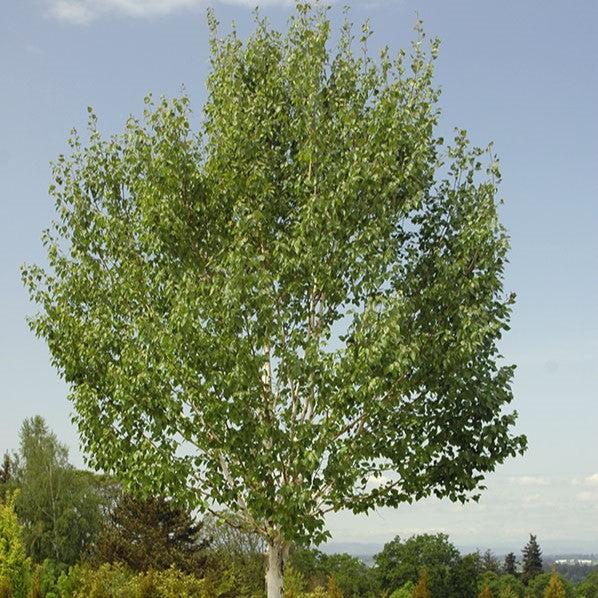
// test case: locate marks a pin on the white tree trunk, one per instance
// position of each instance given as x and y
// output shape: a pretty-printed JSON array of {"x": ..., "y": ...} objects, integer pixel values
[{"x": 277, "y": 556}]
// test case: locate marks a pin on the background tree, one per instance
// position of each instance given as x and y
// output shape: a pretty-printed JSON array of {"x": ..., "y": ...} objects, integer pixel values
[
  {"x": 15, "y": 565},
  {"x": 151, "y": 533},
  {"x": 422, "y": 589},
  {"x": 486, "y": 592},
  {"x": 402, "y": 561},
  {"x": 510, "y": 564},
  {"x": 58, "y": 506},
  {"x": 295, "y": 302},
  {"x": 232, "y": 549},
  {"x": 539, "y": 585},
  {"x": 532, "y": 560},
  {"x": 555, "y": 588},
  {"x": 588, "y": 587},
  {"x": 6, "y": 475},
  {"x": 465, "y": 575},
  {"x": 489, "y": 562}
]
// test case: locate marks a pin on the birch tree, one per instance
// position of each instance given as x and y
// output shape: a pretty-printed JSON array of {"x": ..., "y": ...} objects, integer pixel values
[{"x": 294, "y": 309}]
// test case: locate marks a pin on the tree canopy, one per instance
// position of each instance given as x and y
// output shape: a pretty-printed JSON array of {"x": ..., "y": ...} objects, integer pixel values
[
  {"x": 295, "y": 309},
  {"x": 58, "y": 505}
]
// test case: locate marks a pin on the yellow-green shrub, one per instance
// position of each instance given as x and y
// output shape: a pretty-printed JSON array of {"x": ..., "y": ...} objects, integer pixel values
[{"x": 15, "y": 566}]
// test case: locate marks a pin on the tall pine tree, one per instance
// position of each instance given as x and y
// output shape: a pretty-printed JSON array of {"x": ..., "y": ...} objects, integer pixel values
[
  {"x": 532, "y": 559},
  {"x": 510, "y": 565}
]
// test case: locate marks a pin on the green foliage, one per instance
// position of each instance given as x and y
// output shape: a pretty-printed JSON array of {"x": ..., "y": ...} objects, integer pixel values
[
  {"x": 277, "y": 311},
  {"x": 402, "y": 561},
  {"x": 501, "y": 584},
  {"x": 7, "y": 470},
  {"x": 540, "y": 584},
  {"x": 15, "y": 566},
  {"x": 294, "y": 582},
  {"x": 489, "y": 562},
  {"x": 45, "y": 579},
  {"x": 237, "y": 552},
  {"x": 510, "y": 564},
  {"x": 58, "y": 505},
  {"x": 151, "y": 533},
  {"x": 354, "y": 578},
  {"x": 532, "y": 560},
  {"x": 464, "y": 576},
  {"x": 405, "y": 591},
  {"x": 588, "y": 587},
  {"x": 116, "y": 580}
]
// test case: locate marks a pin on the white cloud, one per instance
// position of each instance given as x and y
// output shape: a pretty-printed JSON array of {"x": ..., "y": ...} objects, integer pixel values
[
  {"x": 591, "y": 480},
  {"x": 81, "y": 12},
  {"x": 530, "y": 481}
]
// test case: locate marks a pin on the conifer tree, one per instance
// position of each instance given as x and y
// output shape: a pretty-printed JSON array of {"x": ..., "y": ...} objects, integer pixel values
[
  {"x": 510, "y": 565},
  {"x": 490, "y": 562},
  {"x": 532, "y": 559},
  {"x": 555, "y": 588},
  {"x": 333, "y": 590},
  {"x": 486, "y": 592},
  {"x": 6, "y": 474},
  {"x": 422, "y": 590},
  {"x": 151, "y": 534}
]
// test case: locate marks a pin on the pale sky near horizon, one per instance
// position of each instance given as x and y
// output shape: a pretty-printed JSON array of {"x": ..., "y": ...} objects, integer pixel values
[{"x": 523, "y": 74}]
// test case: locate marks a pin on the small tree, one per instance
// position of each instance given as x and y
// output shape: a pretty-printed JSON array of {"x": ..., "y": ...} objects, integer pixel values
[
  {"x": 489, "y": 562},
  {"x": 295, "y": 311},
  {"x": 333, "y": 590},
  {"x": 7, "y": 470},
  {"x": 510, "y": 564},
  {"x": 15, "y": 566},
  {"x": 421, "y": 589},
  {"x": 486, "y": 592},
  {"x": 532, "y": 560},
  {"x": 151, "y": 534},
  {"x": 555, "y": 588}
]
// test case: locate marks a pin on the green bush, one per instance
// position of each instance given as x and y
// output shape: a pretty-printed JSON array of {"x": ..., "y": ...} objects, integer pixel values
[
  {"x": 15, "y": 566},
  {"x": 117, "y": 581}
]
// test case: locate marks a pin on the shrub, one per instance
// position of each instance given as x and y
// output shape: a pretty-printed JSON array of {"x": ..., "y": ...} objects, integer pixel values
[{"x": 15, "y": 566}]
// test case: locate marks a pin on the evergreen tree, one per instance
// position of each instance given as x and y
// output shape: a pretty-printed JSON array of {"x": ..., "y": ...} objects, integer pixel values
[
  {"x": 333, "y": 590},
  {"x": 555, "y": 587},
  {"x": 151, "y": 534},
  {"x": 490, "y": 562},
  {"x": 6, "y": 475},
  {"x": 532, "y": 559},
  {"x": 422, "y": 590},
  {"x": 486, "y": 592},
  {"x": 510, "y": 565}
]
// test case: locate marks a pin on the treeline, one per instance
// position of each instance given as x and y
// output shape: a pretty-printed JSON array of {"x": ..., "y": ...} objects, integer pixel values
[{"x": 67, "y": 533}]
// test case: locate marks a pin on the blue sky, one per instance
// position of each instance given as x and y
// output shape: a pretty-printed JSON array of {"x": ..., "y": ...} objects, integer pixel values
[{"x": 520, "y": 73}]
